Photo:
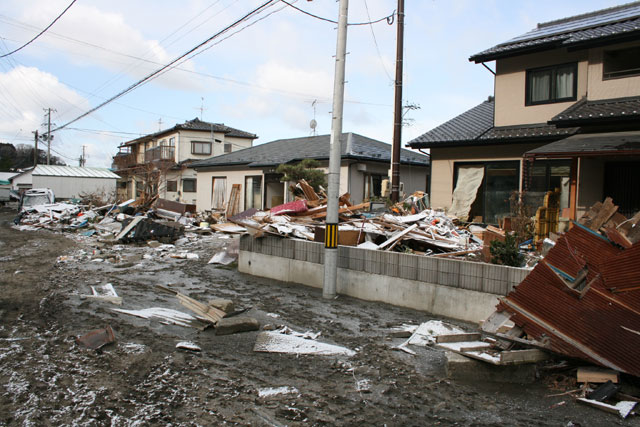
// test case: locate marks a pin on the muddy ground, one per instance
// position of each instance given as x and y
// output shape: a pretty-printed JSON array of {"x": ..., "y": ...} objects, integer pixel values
[{"x": 143, "y": 379}]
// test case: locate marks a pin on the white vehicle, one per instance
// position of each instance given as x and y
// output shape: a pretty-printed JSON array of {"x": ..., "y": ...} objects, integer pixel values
[{"x": 35, "y": 197}]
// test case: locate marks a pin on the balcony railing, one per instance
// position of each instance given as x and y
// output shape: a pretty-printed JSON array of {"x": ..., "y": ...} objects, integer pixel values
[
  {"x": 159, "y": 153},
  {"x": 124, "y": 160}
]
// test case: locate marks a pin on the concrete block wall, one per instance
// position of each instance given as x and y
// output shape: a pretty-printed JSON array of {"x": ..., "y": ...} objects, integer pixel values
[{"x": 472, "y": 276}]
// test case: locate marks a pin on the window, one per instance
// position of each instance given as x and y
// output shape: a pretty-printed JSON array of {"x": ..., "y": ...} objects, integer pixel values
[
  {"x": 551, "y": 84},
  {"x": 227, "y": 147},
  {"x": 547, "y": 175},
  {"x": 621, "y": 63},
  {"x": 218, "y": 191},
  {"x": 200, "y": 147},
  {"x": 253, "y": 192},
  {"x": 488, "y": 199},
  {"x": 172, "y": 186},
  {"x": 373, "y": 186},
  {"x": 189, "y": 185},
  {"x": 172, "y": 141}
]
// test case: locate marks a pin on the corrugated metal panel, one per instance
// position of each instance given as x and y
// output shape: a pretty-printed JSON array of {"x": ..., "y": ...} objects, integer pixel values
[
  {"x": 73, "y": 171},
  {"x": 600, "y": 325}
]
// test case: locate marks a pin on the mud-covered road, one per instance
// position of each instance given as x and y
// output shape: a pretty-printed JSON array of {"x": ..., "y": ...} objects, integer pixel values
[{"x": 143, "y": 379}]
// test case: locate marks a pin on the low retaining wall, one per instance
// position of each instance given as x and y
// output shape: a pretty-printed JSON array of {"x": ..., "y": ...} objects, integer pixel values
[{"x": 458, "y": 289}]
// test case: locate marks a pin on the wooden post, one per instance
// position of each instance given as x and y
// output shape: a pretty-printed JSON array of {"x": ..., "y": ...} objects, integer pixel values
[{"x": 573, "y": 189}]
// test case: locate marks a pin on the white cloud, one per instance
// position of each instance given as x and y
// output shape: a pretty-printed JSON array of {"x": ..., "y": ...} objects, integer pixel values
[
  {"x": 107, "y": 38},
  {"x": 26, "y": 91}
]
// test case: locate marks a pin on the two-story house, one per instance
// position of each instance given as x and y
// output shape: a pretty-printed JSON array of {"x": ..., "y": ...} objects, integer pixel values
[
  {"x": 159, "y": 161},
  {"x": 565, "y": 115}
]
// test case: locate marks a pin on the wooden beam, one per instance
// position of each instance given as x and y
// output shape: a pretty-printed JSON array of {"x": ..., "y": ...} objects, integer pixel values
[
  {"x": 590, "y": 374},
  {"x": 531, "y": 355},
  {"x": 397, "y": 236},
  {"x": 458, "y": 337}
]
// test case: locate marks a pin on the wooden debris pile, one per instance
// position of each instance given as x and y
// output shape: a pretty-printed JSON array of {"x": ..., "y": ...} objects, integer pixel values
[{"x": 425, "y": 232}]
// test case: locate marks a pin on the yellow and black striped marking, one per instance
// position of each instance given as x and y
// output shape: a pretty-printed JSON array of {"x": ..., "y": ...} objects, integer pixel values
[{"x": 331, "y": 236}]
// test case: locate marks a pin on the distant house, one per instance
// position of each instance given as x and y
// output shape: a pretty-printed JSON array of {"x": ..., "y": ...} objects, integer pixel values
[
  {"x": 566, "y": 116},
  {"x": 67, "y": 182},
  {"x": 365, "y": 164},
  {"x": 160, "y": 159}
]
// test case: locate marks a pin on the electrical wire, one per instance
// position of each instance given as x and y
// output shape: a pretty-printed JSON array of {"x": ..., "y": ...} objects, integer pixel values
[
  {"x": 375, "y": 41},
  {"x": 388, "y": 18},
  {"x": 161, "y": 69},
  {"x": 41, "y": 32}
]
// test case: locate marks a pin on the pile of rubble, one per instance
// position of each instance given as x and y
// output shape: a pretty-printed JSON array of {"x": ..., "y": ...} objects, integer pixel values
[{"x": 414, "y": 228}]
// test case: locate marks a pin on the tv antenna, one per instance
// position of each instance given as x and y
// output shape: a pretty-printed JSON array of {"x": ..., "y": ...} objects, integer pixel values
[{"x": 313, "y": 124}]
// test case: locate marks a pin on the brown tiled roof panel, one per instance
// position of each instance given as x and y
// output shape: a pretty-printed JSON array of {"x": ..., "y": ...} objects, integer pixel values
[{"x": 594, "y": 323}]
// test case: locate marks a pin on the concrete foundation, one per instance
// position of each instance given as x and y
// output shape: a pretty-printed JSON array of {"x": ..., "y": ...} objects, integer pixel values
[{"x": 447, "y": 301}]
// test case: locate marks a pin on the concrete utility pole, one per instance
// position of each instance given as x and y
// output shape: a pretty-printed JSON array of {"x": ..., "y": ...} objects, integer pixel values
[
  {"x": 83, "y": 156},
  {"x": 35, "y": 153},
  {"x": 48, "y": 136},
  {"x": 397, "y": 122},
  {"x": 331, "y": 229}
]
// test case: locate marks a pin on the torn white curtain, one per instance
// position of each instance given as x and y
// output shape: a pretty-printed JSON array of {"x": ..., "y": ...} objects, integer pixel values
[
  {"x": 469, "y": 180},
  {"x": 219, "y": 190}
]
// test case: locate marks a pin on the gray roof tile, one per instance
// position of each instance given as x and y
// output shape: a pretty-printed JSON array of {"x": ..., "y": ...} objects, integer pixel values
[
  {"x": 585, "y": 112},
  {"x": 273, "y": 153},
  {"x": 475, "y": 127},
  {"x": 590, "y": 27},
  {"x": 467, "y": 126}
]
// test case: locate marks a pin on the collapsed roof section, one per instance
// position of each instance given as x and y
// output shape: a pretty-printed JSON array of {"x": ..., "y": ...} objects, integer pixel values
[{"x": 583, "y": 299}]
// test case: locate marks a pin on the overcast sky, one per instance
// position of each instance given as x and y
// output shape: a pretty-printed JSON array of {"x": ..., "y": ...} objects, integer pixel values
[{"x": 263, "y": 79}]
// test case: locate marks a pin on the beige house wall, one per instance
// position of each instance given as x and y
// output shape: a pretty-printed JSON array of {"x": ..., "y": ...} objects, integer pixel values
[
  {"x": 510, "y": 83},
  {"x": 204, "y": 193},
  {"x": 443, "y": 161},
  {"x": 612, "y": 88}
]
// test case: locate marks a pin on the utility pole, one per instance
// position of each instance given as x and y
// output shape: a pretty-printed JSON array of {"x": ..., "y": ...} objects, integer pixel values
[
  {"x": 35, "y": 153},
  {"x": 331, "y": 229},
  {"x": 83, "y": 157},
  {"x": 48, "y": 136},
  {"x": 397, "y": 121}
]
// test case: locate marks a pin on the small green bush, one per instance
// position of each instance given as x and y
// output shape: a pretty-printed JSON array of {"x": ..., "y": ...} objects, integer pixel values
[{"x": 507, "y": 252}]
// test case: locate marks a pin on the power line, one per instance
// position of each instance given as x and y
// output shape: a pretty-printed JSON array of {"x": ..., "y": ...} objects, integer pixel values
[
  {"x": 388, "y": 18},
  {"x": 158, "y": 71},
  {"x": 41, "y": 32},
  {"x": 375, "y": 41}
]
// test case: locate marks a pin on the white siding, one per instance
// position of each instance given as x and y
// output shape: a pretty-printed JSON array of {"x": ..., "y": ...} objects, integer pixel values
[{"x": 70, "y": 187}]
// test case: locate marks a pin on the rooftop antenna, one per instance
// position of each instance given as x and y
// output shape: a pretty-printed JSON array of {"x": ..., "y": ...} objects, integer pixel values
[
  {"x": 160, "y": 124},
  {"x": 313, "y": 123},
  {"x": 201, "y": 107}
]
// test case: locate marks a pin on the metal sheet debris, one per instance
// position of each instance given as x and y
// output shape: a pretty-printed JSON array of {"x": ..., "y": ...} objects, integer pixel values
[{"x": 97, "y": 339}]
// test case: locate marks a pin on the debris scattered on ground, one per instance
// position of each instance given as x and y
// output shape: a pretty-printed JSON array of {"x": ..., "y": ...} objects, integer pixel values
[
  {"x": 97, "y": 339},
  {"x": 166, "y": 316},
  {"x": 234, "y": 325},
  {"x": 281, "y": 341},
  {"x": 188, "y": 345},
  {"x": 105, "y": 292},
  {"x": 274, "y": 391}
]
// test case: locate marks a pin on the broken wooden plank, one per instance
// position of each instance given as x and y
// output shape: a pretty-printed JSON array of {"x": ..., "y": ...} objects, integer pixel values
[
  {"x": 495, "y": 321},
  {"x": 458, "y": 337},
  {"x": 307, "y": 189},
  {"x": 606, "y": 212},
  {"x": 343, "y": 210},
  {"x": 532, "y": 355},
  {"x": 207, "y": 312},
  {"x": 397, "y": 236},
  {"x": 590, "y": 374},
  {"x": 129, "y": 227}
]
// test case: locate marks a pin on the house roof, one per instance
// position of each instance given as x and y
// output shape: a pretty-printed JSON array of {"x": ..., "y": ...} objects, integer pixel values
[
  {"x": 475, "y": 127},
  {"x": 6, "y": 176},
  {"x": 603, "y": 26},
  {"x": 610, "y": 143},
  {"x": 73, "y": 171},
  {"x": 281, "y": 151},
  {"x": 197, "y": 125},
  {"x": 606, "y": 110}
]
